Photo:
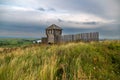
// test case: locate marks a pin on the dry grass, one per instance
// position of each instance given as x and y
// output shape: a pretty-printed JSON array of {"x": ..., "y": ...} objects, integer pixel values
[{"x": 72, "y": 61}]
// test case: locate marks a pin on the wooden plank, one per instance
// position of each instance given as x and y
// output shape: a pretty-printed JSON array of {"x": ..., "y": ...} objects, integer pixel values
[{"x": 92, "y": 36}]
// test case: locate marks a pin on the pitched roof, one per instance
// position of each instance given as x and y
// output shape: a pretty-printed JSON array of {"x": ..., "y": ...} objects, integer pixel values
[{"x": 53, "y": 26}]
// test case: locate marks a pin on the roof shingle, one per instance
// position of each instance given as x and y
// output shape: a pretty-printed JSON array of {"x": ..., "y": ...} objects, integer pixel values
[{"x": 53, "y": 26}]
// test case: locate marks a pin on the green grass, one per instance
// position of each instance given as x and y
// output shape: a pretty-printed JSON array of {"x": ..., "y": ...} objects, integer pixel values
[
  {"x": 14, "y": 42},
  {"x": 71, "y": 61}
]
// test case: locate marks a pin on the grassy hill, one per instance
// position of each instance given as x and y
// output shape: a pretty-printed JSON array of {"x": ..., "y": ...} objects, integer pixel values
[{"x": 71, "y": 61}]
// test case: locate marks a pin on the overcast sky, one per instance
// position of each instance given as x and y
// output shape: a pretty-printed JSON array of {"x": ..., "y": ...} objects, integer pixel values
[{"x": 29, "y": 18}]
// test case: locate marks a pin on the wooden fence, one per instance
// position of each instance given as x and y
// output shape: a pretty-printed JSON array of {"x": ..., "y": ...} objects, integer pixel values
[{"x": 92, "y": 36}]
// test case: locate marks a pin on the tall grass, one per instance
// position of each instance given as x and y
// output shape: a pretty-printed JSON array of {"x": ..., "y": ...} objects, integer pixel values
[{"x": 72, "y": 61}]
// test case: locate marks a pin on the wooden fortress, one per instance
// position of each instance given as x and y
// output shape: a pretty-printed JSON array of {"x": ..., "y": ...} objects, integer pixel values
[{"x": 54, "y": 35}]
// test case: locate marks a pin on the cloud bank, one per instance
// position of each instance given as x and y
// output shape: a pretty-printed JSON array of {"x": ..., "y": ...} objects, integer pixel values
[{"x": 29, "y": 18}]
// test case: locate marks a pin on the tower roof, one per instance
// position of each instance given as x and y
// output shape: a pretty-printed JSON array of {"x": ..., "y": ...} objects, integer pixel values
[{"x": 53, "y": 26}]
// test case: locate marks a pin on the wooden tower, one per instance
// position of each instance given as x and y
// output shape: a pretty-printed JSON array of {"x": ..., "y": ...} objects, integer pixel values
[{"x": 53, "y": 33}]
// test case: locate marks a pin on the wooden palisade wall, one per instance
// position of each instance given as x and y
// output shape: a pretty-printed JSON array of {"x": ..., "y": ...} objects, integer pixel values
[{"x": 92, "y": 36}]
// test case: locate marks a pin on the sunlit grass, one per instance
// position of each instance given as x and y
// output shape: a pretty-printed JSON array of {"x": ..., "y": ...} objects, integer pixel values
[{"x": 71, "y": 61}]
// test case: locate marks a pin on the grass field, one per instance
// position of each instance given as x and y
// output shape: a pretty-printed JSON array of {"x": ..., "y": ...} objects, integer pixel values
[
  {"x": 71, "y": 61},
  {"x": 14, "y": 42}
]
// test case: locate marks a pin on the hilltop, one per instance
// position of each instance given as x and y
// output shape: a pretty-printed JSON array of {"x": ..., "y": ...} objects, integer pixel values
[{"x": 71, "y": 61}]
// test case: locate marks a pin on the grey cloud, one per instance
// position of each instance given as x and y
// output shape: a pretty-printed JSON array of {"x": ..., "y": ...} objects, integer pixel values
[
  {"x": 84, "y": 23},
  {"x": 37, "y": 31},
  {"x": 21, "y": 30},
  {"x": 31, "y": 22},
  {"x": 46, "y": 9},
  {"x": 60, "y": 20},
  {"x": 51, "y": 9},
  {"x": 103, "y": 32},
  {"x": 41, "y": 9},
  {"x": 90, "y": 23},
  {"x": 22, "y": 34}
]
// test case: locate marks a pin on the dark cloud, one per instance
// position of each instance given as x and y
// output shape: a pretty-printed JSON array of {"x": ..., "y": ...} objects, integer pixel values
[
  {"x": 37, "y": 31},
  {"x": 103, "y": 32},
  {"x": 46, "y": 9},
  {"x": 84, "y": 23},
  {"x": 90, "y": 23},
  {"x": 21, "y": 27},
  {"x": 21, "y": 30},
  {"x": 41, "y": 9}
]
